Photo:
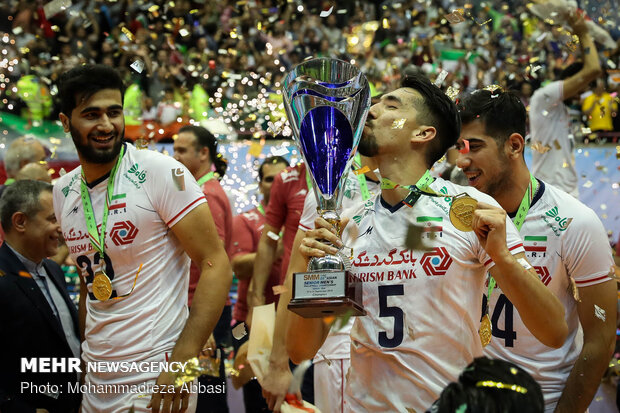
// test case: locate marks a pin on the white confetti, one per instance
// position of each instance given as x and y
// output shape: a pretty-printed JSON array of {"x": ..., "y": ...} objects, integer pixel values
[
  {"x": 281, "y": 151},
  {"x": 326, "y": 13},
  {"x": 599, "y": 312},
  {"x": 62, "y": 172},
  {"x": 54, "y": 7},
  {"x": 441, "y": 77},
  {"x": 239, "y": 331},
  {"x": 138, "y": 66},
  {"x": 273, "y": 236}
]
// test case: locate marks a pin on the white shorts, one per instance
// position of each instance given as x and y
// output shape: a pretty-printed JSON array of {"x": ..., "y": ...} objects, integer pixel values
[
  {"x": 118, "y": 392},
  {"x": 329, "y": 384}
]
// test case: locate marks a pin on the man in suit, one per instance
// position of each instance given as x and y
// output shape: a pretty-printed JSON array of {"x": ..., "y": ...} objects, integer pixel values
[{"x": 37, "y": 317}]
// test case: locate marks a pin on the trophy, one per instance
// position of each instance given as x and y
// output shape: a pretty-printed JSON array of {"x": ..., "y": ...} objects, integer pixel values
[{"x": 326, "y": 103}]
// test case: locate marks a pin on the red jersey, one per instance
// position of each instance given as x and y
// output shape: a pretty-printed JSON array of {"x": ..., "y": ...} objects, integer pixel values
[
  {"x": 286, "y": 204},
  {"x": 247, "y": 229},
  {"x": 222, "y": 216}
]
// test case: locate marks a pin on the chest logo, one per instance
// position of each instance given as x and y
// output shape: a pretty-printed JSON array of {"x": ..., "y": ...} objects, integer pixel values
[
  {"x": 123, "y": 233},
  {"x": 436, "y": 262}
]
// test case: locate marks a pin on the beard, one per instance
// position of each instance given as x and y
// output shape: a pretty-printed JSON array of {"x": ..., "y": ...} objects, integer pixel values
[
  {"x": 368, "y": 145},
  {"x": 90, "y": 153}
]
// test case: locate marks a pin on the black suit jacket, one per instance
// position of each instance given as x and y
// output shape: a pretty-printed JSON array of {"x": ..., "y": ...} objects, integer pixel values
[{"x": 28, "y": 328}]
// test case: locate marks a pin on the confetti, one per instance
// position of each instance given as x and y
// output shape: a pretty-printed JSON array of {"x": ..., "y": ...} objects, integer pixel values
[
  {"x": 455, "y": 17},
  {"x": 599, "y": 312},
  {"x": 54, "y": 7},
  {"x": 557, "y": 145},
  {"x": 62, "y": 172},
  {"x": 273, "y": 236},
  {"x": 362, "y": 170},
  {"x": 588, "y": 184},
  {"x": 452, "y": 92},
  {"x": 413, "y": 239},
  {"x": 239, "y": 331},
  {"x": 128, "y": 33},
  {"x": 398, "y": 123},
  {"x": 328, "y": 361},
  {"x": 465, "y": 148},
  {"x": 326, "y": 13},
  {"x": 137, "y": 65},
  {"x": 279, "y": 289},
  {"x": 281, "y": 151},
  {"x": 441, "y": 77}
]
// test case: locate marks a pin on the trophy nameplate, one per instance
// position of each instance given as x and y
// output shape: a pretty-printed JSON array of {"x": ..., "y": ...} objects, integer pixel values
[{"x": 326, "y": 293}]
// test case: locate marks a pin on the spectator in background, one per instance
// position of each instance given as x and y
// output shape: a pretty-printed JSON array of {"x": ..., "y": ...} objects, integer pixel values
[
  {"x": 247, "y": 228},
  {"x": 37, "y": 317},
  {"x": 552, "y": 157},
  {"x": 21, "y": 152},
  {"x": 196, "y": 148},
  {"x": 598, "y": 107}
]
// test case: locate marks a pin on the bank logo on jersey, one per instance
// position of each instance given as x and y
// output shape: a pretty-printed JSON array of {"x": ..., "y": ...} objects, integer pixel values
[
  {"x": 563, "y": 223},
  {"x": 178, "y": 177},
  {"x": 431, "y": 226},
  {"x": 123, "y": 233},
  {"x": 135, "y": 170},
  {"x": 534, "y": 244},
  {"x": 543, "y": 273},
  {"x": 291, "y": 175},
  {"x": 436, "y": 262}
]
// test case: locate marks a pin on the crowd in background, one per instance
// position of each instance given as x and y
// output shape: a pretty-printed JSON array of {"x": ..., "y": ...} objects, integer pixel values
[{"x": 225, "y": 59}]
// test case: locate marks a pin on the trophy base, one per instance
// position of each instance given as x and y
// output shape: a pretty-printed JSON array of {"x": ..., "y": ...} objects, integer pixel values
[{"x": 326, "y": 293}]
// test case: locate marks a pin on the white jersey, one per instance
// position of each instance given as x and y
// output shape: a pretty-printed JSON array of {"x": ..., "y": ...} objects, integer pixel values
[
  {"x": 338, "y": 343},
  {"x": 423, "y": 307},
  {"x": 553, "y": 160},
  {"x": 152, "y": 192},
  {"x": 563, "y": 240}
]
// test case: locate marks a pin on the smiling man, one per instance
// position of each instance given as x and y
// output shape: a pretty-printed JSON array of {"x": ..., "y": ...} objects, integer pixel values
[
  {"x": 132, "y": 220},
  {"x": 423, "y": 307},
  {"x": 564, "y": 241}
]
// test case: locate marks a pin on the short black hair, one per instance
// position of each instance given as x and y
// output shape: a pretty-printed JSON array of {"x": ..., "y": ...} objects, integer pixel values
[
  {"x": 272, "y": 160},
  {"x": 86, "y": 80},
  {"x": 437, "y": 110},
  {"x": 21, "y": 196},
  {"x": 491, "y": 385},
  {"x": 205, "y": 139},
  {"x": 501, "y": 113}
]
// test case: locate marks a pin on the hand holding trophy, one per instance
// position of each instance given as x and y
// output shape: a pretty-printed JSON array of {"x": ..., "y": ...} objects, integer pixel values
[{"x": 327, "y": 101}]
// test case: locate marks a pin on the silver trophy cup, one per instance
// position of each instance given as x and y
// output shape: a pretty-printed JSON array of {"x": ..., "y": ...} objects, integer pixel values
[{"x": 327, "y": 101}]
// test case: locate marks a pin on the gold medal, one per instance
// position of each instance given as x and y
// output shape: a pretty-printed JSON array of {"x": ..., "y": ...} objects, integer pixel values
[
  {"x": 485, "y": 330},
  {"x": 102, "y": 286},
  {"x": 462, "y": 212}
]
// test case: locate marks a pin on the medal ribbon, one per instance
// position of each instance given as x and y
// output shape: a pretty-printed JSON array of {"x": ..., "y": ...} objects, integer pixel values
[
  {"x": 308, "y": 180},
  {"x": 420, "y": 188},
  {"x": 261, "y": 209},
  {"x": 361, "y": 178},
  {"x": 98, "y": 239},
  {"x": 518, "y": 220},
  {"x": 206, "y": 178}
]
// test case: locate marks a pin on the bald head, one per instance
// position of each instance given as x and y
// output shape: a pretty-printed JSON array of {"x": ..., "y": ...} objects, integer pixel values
[
  {"x": 34, "y": 171},
  {"x": 21, "y": 152}
]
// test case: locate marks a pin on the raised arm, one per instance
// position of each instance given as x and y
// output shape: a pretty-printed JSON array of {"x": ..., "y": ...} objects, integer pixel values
[
  {"x": 541, "y": 311},
  {"x": 591, "y": 65}
]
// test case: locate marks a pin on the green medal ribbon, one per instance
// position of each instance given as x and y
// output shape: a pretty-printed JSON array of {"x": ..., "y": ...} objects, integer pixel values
[
  {"x": 98, "y": 239},
  {"x": 420, "y": 188},
  {"x": 261, "y": 209},
  {"x": 308, "y": 180},
  {"x": 518, "y": 220},
  {"x": 361, "y": 178},
  {"x": 206, "y": 178}
]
